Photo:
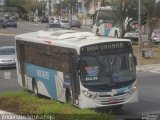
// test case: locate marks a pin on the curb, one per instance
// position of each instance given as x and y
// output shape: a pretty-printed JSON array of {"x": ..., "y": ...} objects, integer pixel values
[
  {"x": 5, "y": 112},
  {"x": 149, "y": 67}
]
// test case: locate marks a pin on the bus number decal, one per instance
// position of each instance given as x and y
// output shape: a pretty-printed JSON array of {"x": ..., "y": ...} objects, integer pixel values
[{"x": 43, "y": 74}]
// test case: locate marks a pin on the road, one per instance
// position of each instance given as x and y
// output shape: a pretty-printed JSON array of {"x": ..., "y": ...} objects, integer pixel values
[
  {"x": 149, "y": 99},
  {"x": 148, "y": 82}
]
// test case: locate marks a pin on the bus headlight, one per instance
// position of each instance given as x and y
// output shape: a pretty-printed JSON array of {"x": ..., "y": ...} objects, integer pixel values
[
  {"x": 133, "y": 89},
  {"x": 89, "y": 94}
]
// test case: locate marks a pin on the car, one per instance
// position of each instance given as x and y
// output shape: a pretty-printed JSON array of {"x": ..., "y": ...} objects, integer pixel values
[
  {"x": 7, "y": 56},
  {"x": 2, "y": 23},
  {"x": 54, "y": 26},
  {"x": 56, "y": 20},
  {"x": 44, "y": 19},
  {"x": 51, "y": 20},
  {"x": 65, "y": 24},
  {"x": 133, "y": 35},
  {"x": 11, "y": 23},
  {"x": 36, "y": 19},
  {"x": 75, "y": 23},
  {"x": 155, "y": 37}
]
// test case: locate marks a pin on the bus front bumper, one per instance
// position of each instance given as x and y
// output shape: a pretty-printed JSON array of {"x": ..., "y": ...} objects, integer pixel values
[{"x": 86, "y": 102}]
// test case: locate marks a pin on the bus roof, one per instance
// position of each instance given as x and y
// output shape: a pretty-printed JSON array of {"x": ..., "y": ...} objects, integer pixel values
[{"x": 65, "y": 38}]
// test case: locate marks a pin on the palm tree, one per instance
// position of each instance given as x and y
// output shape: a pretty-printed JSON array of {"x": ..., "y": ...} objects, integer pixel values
[{"x": 151, "y": 7}]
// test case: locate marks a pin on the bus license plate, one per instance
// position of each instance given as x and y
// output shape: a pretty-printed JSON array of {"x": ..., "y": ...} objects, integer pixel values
[{"x": 113, "y": 100}]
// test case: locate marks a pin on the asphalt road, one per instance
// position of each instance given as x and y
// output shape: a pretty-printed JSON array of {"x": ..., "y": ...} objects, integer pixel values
[
  {"x": 149, "y": 83},
  {"x": 149, "y": 98}
]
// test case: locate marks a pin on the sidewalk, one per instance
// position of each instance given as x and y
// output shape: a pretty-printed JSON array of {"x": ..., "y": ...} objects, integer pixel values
[{"x": 149, "y": 68}]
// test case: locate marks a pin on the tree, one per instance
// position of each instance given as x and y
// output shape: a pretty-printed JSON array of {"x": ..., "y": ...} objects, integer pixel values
[
  {"x": 16, "y": 3},
  {"x": 68, "y": 5},
  {"x": 25, "y": 6},
  {"x": 152, "y": 8}
]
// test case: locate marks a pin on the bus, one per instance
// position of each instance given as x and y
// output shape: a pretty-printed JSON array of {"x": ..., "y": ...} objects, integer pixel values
[
  {"x": 79, "y": 68},
  {"x": 104, "y": 22}
]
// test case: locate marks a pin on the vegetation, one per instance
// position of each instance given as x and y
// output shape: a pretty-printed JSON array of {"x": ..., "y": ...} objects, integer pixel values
[
  {"x": 25, "y": 6},
  {"x": 22, "y": 103},
  {"x": 153, "y": 15}
]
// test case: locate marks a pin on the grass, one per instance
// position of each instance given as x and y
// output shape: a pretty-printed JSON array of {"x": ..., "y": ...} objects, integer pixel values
[
  {"x": 23, "y": 103},
  {"x": 155, "y": 59}
]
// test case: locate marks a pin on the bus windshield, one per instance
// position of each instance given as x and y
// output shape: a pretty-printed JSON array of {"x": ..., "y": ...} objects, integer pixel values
[
  {"x": 107, "y": 69},
  {"x": 105, "y": 15}
]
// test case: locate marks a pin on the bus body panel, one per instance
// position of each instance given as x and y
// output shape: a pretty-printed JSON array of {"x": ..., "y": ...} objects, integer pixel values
[
  {"x": 107, "y": 32},
  {"x": 45, "y": 79}
]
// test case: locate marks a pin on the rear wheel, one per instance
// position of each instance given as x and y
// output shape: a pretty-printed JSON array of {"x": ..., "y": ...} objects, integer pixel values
[
  {"x": 97, "y": 30},
  {"x": 35, "y": 88},
  {"x": 116, "y": 34},
  {"x": 68, "y": 96}
]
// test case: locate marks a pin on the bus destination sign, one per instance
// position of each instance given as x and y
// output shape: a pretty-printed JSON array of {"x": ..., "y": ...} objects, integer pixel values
[{"x": 105, "y": 47}]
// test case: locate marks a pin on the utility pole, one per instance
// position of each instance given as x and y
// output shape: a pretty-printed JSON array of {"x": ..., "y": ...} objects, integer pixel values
[
  {"x": 140, "y": 32},
  {"x": 49, "y": 7}
]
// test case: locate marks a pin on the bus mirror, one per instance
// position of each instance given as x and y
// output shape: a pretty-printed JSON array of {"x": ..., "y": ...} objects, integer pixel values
[
  {"x": 81, "y": 64},
  {"x": 135, "y": 60}
]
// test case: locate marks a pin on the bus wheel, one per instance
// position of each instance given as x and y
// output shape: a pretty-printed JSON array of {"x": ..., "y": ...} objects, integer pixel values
[
  {"x": 68, "y": 96},
  {"x": 118, "y": 106},
  {"x": 35, "y": 88},
  {"x": 97, "y": 30},
  {"x": 116, "y": 34}
]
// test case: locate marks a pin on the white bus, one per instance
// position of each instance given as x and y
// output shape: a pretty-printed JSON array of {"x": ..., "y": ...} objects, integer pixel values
[
  {"x": 77, "y": 67},
  {"x": 104, "y": 22}
]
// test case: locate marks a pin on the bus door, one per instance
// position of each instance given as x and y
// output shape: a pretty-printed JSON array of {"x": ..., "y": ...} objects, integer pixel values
[
  {"x": 74, "y": 79},
  {"x": 21, "y": 52}
]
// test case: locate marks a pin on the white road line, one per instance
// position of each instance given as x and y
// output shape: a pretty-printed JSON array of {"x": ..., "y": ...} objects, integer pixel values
[
  {"x": 155, "y": 71},
  {"x": 7, "y": 75}
]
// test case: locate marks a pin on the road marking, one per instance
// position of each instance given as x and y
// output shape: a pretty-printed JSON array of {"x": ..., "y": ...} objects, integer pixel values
[
  {"x": 155, "y": 71},
  {"x": 7, "y": 75},
  {"x": 2, "y": 34}
]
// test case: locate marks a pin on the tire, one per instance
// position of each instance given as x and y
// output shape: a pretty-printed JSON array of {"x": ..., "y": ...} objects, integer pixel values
[
  {"x": 118, "y": 106},
  {"x": 68, "y": 97},
  {"x": 35, "y": 88},
  {"x": 116, "y": 34},
  {"x": 97, "y": 30}
]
